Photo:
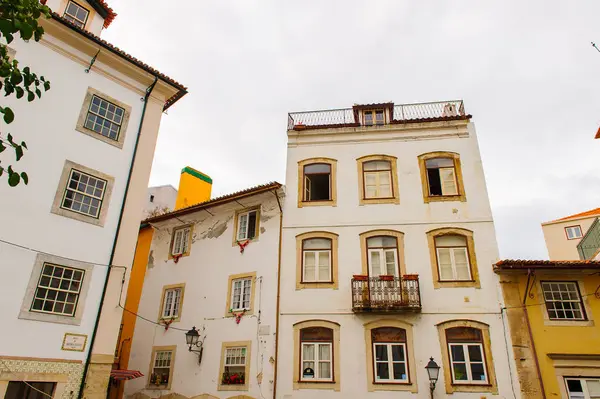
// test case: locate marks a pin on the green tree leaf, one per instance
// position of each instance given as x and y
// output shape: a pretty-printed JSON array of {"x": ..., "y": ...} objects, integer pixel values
[
  {"x": 25, "y": 177},
  {"x": 13, "y": 179},
  {"x": 19, "y": 152},
  {"x": 9, "y": 116},
  {"x": 19, "y": 91},
  {"x": 2, "y": 147},
  {"x": 30, "y": 96}
]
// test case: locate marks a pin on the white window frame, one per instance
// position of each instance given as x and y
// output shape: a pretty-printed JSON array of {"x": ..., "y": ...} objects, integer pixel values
[
  {"x": 73, "y": 18},
  {"x": 57, "y": 290},
  {"x": 76, "y": 191},
  {"x": 171, "y": 307},
  {"x": 184, "y": 239},
  {"x": 468, "y": 362},
  {"x": 443, "y": 186},
  {"x": 317, "y": 360},
  {"x": 245, "y": 356},
  {"x": 573, "y": 229},
  {"x": 238, "y": 305},
  {"x": 390, "y": 362},
  {"x": 586, "y": 392},
  {"x": 317, "y": 254},
  {"x": 377, "y": 174},
  {"x": 170, "y": 360},
  {"x": 243, "y": 221},
  {"x": 453, "y": 263},
  {"x": 578, "y": 301},
  {"x": 383, "y": 258},
  {"x": 104, "y": 120}
]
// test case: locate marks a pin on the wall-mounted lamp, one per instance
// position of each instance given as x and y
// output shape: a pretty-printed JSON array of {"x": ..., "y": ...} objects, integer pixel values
[
  {"x": 433, "y": 370},
  {"x": 192, "y": 338}
]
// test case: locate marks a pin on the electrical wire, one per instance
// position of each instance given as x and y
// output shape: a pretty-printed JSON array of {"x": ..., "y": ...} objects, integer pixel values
[
  {"x": 150, "y": 321},
  {"x": 25, "y": 382},
  {"x": 537, "y": 304}
]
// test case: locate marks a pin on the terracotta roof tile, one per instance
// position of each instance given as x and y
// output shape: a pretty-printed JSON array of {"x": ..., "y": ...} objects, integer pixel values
[
  {"x": 598, "y": 134},
  {"x": 216, "y": 201},
  {"x": 516, "y": 264},
  {"x": 591, "y": 212},
  {"x": 182, "y": 89},
  {"x": 111, "y": 14}
]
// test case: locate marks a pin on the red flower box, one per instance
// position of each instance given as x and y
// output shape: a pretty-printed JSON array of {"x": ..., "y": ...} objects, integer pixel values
[
  {"x": 360, "y": 277},
  {"x": 410, "y": 277},
  {"x": 386, "y": 277}
]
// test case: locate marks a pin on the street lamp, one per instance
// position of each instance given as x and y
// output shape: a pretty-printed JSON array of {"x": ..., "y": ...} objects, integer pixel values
[
  {"x": 433, "y": 370},
  {"x": 192, "y": 339}
]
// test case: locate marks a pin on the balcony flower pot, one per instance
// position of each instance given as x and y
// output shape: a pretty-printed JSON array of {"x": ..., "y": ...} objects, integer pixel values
[
  {"x": 410, "y": 277},
  {"x": 299, "y": 126},
  {"x": 386, "y": 277},
  {"x": 360, "y": 277}
]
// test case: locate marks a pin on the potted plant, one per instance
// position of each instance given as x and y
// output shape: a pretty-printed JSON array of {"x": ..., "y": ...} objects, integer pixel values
[
  {"x": 386, "y": 277},
  {"x": 360, "y": 277},
  {"x": 299, "y": 126},
  {"x": 410, "y": 277}
]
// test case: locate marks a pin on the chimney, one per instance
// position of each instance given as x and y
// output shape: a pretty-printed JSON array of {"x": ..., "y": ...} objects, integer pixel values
[{"x": 194, "y": 187}]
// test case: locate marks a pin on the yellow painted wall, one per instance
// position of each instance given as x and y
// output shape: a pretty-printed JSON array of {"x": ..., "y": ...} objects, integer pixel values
[
  {"x": 194, "y": 187},
  {"x": 562, "y": 337}
]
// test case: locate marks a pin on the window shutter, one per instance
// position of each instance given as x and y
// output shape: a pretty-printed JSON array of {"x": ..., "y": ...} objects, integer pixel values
[
  {"x": 242, "y": 227},
  {"x": 391, "y": 262},
  {"x": 448, "y": 181},
  {"x": 252, "y": 222},
  {"x": 176, "y": 250},
  {"x": 385, "y": 187},
  {"x": 309, "y": 265},
  {"x": 176, "y": 300},
  {"x": 461, "y": 263},
  {"x": 324, "y": 273},
  {"x": 375, "y": 262},
  {"x": 167, "y": 304},
  {"x": 185, "y": 241},
  {"x": 307, "y": 184},
  {"x": 445, "y": 264}
]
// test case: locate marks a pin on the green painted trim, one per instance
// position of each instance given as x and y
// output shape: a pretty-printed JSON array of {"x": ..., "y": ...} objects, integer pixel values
[{"x": 197, "y": 174}]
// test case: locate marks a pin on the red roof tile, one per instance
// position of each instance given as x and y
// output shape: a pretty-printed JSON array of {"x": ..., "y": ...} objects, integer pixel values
[
  {"x": 182, "y": 89},
  {"x": 591, "y": 212},
  {"x": 521, "y": 264},
  {"x": 216, "y": 201},
  {"x": 598, "y": 134},
  {"x": 109, "y": 11}
]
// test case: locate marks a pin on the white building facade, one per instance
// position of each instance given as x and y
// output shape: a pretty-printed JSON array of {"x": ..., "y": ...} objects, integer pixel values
[
  {"x": 388, "y": 246},
  {"x": 160, "y": 199},
  {"x": 91, "y": 141},
  {"x": 212, "y": 266}
]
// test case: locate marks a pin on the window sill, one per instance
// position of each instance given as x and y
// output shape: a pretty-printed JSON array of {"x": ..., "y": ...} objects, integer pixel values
[
  {"x": 171, "y": 256},
  {"x": 327, "y": 385},
  {"x": 569, "y": 323},
  {"x": 445, "y": 198},
  {"x": 236, "y": 243},
  {"x": 302, "y": 204},
  {"x": 233, "y": 387},
  {"x": 376, "y": 201},
  {"x": 158, "y": 387},
  {"x": 49, "y": 317},
  {"x": 437, "y": 284},
  {"x": 317, "y": 285},
  {"x": 116, "y": 143},
  {"x": 169, "y": 320},
  {"x": 486, "y": 388}
]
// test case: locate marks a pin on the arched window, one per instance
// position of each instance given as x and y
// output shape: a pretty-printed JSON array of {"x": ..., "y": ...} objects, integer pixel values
[
  {"x": 378, "y": 180},
  {"x": 441, "y": 177},
  {"x": 467, "y": 358},
  {"x": 317, "y": 182},
  {"x": 383, "y": 256},
  {"x": 316, "y": 354},
  {"x": 316, "y": 260},
  {"x": 390, "y": 360},
  {"x": 452, "y": 257}
]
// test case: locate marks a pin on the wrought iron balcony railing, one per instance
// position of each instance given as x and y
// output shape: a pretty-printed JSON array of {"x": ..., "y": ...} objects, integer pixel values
[
  {"x": 400, "y": 113},
  {"x": 386, "y": 294}
]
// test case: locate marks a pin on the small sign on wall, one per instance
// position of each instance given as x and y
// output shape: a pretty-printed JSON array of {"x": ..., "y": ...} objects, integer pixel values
[{"x": 74, "y": 342}]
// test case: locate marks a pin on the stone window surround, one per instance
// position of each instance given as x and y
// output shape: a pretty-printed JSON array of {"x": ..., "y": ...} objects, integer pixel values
[
  {"x": 579, "y": 280},
  {"x": 334, "y": 284},
  {"x": 573, "y": 365},
  {"x": 468, "y": 234},
  {"x": 492, "y": 386},
  {"x": 362, "y": 200},
  {"x": 149, "y": 384},
  {"x": 235, "y": 344},
  {"x": 257, "y": 208},
  {"x": 57, "y": 208},
  {"x": 333, "y": 181},
  {"x": 230, "y": 279},
  {"x": 80, "y": 127},
  {"x": 335, "y": 385},
  {"x": 373, "y": 386},
  {"x": 457, "y": 172},
  {"x": 40, "y": 260},
  {"x": 162, "y": 302},
  {"x": 190, "y": 241}
]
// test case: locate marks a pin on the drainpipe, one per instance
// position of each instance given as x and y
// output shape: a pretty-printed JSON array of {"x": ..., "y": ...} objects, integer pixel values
[
  {"x": 537, "y": 363},
  {"x": 114, "y": 245},
  {"x": 278, "y": 298}
]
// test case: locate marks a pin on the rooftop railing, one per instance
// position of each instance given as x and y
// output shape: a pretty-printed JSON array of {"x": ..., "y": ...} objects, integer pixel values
[{"x": 400, "y": 113}]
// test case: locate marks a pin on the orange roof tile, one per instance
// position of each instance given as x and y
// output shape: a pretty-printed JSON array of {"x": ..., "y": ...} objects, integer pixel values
[
  {"x": 520, "y": 264},
  {"x": 598, "y": 134},
  {"x": 591, "y": 212}
]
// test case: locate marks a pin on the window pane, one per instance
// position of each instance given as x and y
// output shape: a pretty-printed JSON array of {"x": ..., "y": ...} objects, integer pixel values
[
  {"x": 324, "y": 274},
  {"x": 381, "y": 353},
  {"x": 457, "y": 352},
  {"x": 460, "y": 371},
  {"x": 390, "y": 262},
  {"x": 436, "y": 163},
  {"x": 309, "y": 266},
  {"x": 317, "y": 168},
  {"x": 448, "y": 181},
  {"x": 324, "y": 351},
  {"x": 478, "y": 371},
  {"x": 593, "y": 387},
  {"x": 308, "y": 351},
  {"x": 383, "y": 371},
  {"x": 462, "y": 264},
  {"x": 475, "y": 354},
  {"x": 451, "y": 240},
  {"x": 319, "y": 187},
  {"x": 574, "y": 386},
  {"x": 325, "y": 370},
  {"x": 445, "y": 263},
  {"x": 399, "y": 371},
  {"x": 317, "y": 243},
  {"x": 381, "y": 241},
  {"x": 377, "y": 165},
  {"x": 397, "y": 353},
  {"x": 375, "y": 263}
]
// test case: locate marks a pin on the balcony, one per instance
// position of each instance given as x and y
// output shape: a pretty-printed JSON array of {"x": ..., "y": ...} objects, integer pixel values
[
  {"x": 395, "y": 114},
  {"x": 386, "y": 294}
]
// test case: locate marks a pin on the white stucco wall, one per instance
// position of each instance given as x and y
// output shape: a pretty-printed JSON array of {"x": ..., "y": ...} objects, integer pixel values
[
  {"x": 558, "y": 245},
  {"x": 414, "y": 218},
  {"x": 94, "y": 23},
  {"x": 205, "y": 273},
  {"x": 48, "y": 127},
  {"x": 160, "y": 197}
]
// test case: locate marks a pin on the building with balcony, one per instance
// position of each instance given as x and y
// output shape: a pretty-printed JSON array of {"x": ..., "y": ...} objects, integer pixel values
[
  {"x": 68, "y": 236},
  {"x": 563, "y": 235},
  {"x": 386, "y": 261}
]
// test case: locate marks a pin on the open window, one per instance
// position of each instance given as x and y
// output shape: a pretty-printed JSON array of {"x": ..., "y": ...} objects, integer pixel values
[
  {"x": 181, "y": 241},
  {"x": 247, "y": 225},
  {"x": 441, "y": 177},
  {"x": 316, "y": 182}
]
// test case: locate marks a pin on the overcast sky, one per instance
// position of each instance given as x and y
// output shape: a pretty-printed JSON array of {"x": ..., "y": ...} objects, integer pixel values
[{"x": 526, "y": 71}]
